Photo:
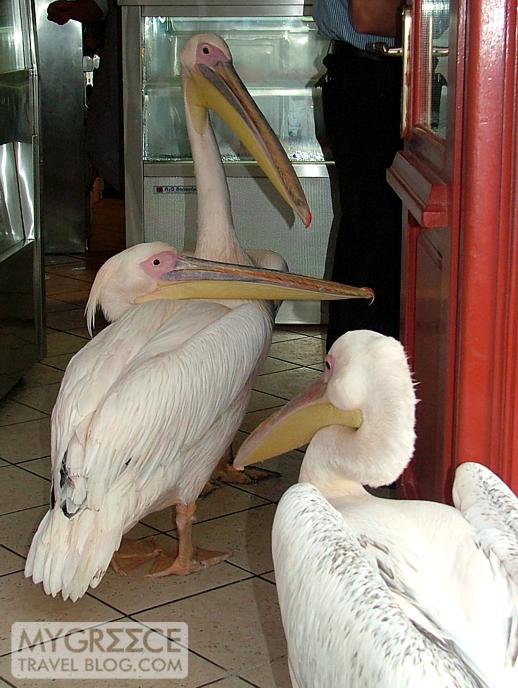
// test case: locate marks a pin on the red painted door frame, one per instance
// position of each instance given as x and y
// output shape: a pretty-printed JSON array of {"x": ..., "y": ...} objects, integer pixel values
[{"x": 460, "y": 198}]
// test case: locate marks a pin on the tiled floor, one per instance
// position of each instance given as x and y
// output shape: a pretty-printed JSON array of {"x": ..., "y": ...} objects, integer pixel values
[{"x": 235, "y": 633}]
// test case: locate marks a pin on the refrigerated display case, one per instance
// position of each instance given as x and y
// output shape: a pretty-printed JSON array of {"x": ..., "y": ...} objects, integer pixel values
[
  {"x": 21, "y": 299},
  {"x": 278, "y": 53}
]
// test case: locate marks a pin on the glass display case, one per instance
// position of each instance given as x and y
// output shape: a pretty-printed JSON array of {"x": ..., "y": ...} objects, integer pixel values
[
  {"x": 21, "y": 331},
  {"x": 279, "y": 59},
  {"x": 278, "y": 53}
]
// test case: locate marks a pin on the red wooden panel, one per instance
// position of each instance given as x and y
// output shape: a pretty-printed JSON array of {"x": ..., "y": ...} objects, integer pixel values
[{"x": 488, "y": 305}]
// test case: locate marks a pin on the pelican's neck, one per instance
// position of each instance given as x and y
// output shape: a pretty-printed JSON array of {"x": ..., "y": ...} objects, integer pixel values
[
  {"x": 216, "y": 237},
  {"x": 323, "y": 467}
]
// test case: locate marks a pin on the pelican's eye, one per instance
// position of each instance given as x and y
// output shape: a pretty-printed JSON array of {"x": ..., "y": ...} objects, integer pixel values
[
  {"x": 156, "y": 262},
  {"x": 328, "y": 366},
  {"x": 205, "y": 50}
]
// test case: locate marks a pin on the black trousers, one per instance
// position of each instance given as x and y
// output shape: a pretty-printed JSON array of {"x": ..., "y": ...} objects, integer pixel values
[{"x": 361, "y": 100}]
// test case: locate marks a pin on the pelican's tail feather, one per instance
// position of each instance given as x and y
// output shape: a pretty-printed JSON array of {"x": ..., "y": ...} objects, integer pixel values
[{"x": 68, "y": 554}]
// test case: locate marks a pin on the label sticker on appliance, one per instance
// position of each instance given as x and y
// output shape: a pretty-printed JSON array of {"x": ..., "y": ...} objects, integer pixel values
[{"x": 174, "y": 189}]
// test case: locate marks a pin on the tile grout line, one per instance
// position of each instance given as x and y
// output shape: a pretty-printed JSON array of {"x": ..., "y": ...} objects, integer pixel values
[
  {"x": 20, "y": 422},
  {"x": 188, "y": 597},
  {"x": 19, "y": 511}
]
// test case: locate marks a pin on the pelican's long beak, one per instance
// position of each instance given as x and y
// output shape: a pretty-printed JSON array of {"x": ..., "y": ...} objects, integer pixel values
[
  {"x": 193, "y": 278},
  {"x": 220, "y": 89},
  {"x": 294, "y": 425}
]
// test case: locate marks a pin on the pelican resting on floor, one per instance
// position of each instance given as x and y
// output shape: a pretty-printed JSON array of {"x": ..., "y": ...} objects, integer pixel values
[{"x": 383, "y": 593}]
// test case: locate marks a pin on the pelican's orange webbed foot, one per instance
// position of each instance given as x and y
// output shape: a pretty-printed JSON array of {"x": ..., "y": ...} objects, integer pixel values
[
  {"x": 133, "y": 553},
  {"x": 174, "y": 565},
  {"x": 188, "y": 559}
]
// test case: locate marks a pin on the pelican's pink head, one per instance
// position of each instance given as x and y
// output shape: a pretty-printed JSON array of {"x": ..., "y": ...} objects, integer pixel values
[
  {"x": 210, "y": 82},
  {"x": 127, "y": 276}
]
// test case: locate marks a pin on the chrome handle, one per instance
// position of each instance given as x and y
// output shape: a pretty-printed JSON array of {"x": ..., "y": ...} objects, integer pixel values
[
  {"x": 384, "y": 49},
  {"x": 440, "y": 52},
  {"x": 402, "y": 51}
]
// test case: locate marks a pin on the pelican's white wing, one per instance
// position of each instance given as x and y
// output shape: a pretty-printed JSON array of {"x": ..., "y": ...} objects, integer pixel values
[
  {"x": 491, "y": 508},
  {"x": 170, "y": 394},
  {"x": 342, "y": 623},
  {"x": 93, "y": 371}
]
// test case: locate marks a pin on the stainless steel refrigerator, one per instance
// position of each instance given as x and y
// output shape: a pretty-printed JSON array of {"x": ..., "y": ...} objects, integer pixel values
[{"x": 21, "y": 291}]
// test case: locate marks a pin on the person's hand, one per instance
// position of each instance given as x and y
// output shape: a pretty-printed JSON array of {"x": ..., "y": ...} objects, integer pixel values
[
  {"x": 85, "y": 11},
  {"x": 59, "y": 12}
]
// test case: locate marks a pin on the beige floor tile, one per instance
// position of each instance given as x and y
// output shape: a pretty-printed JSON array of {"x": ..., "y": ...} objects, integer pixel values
[
  {"x": 201, "y": 673},
  {"x": 3, "y": 463},
  {"x": 238, "y": 627},
  {"x": 270, "y": 675},
  {"x": 78, "y": 271},
  {"x": 66, "y": 320},
  {"x": 56, "y": 285},
  {"x": 317, "y": 366},
  {"x": 303, "y": 351},
  {"x": 39, "y": 375},
  {"x": 59, "y": 362},
  {"x": 62, "y": 343},
  {"x": 23, "y": 441},
  {"x": 21, "y": 490},
  {"x": 224, "y": 500},
  {"x": 281, "y": 335},
  {"x": 62, "y": 259},
  {"x": 247, "y": 535},
  {"x": 17, "y": 529},
  {"x": 75, "y": 298},
  {"x": 12, "y": 412},
  {"x": 270, "y": 576},
  {"x": 259, "y": 400},
  {"x": 41, "y": 398},
  {"x": 41, "y": 467},
  {"x": 135, "y": 592},
  {"x": 288, "y": 383},
  {"x": 10, "y": 562},
  {"x": 288, "y": 466},
  {"x": 80, "y": 332},
  {"x": 52, "y": 305},
  {"x": 310, "y": 330},
  {"x": 21, "y": 600},
  {"x": 231, "y": 682},
  {"x": 274, "y": 365}
]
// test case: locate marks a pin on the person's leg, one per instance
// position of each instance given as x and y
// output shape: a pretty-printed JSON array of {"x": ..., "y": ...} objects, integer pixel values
[{"x": 361, "y": 109}]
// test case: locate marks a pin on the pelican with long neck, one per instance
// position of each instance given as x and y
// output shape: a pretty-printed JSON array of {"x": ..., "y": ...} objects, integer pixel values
[{"x": 210, "y": 82}]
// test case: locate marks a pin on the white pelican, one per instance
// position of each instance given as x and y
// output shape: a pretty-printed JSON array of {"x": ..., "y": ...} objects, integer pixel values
[
  {"x": 146, "y": 409},
  {"x": 382, "y": 593},
  {"x": 210, "y": 82}
]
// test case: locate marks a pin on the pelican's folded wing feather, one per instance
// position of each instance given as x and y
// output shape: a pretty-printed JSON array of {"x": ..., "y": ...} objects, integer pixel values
[
  {"x": 168, "y": 398},
  {"x": 342, "y": 623},
  {"x": 491, "y": 508},
  {"x": 97, "y": 369}
]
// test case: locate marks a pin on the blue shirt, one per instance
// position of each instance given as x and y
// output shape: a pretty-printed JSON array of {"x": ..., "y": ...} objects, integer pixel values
[{"x": 332, "y": 19}]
